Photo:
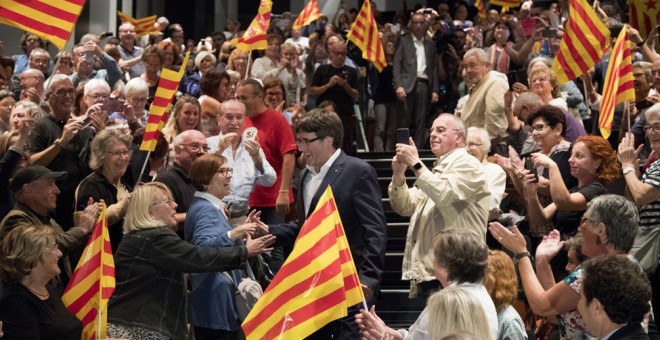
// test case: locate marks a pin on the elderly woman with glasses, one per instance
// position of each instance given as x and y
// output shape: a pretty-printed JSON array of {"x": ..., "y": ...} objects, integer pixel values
[
  {"x": 109, "y": 160},
  {"x": 31, "y": 308},
  {"x": 478, "y": 145},
  {"x": 7, "y": 102},
  {"x": 212, "y": 301},
  {"x": 150, "y": 296}
]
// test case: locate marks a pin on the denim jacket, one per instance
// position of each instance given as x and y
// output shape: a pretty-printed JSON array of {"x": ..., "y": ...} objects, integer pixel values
[{"x": 150, "y": 292}]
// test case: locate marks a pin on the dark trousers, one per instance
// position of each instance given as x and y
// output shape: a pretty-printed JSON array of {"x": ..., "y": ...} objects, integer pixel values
[
  {"x": 274, "y": 259},
  {"x": 416, "y": 111},
  {"x": 202, "y": 333}
]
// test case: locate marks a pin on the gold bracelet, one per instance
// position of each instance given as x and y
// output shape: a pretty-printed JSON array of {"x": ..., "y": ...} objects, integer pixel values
[
  {"x": 58, "y": 143},
  {"x": 284, "y": 191}
]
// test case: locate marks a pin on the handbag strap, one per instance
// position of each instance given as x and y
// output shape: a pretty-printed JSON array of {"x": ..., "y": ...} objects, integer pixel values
[{"x": 248, "y": 269}]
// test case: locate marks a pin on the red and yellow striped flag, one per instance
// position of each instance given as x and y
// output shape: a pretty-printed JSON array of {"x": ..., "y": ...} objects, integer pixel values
[
  {"x": 93, "y": 282},
  {"x": 167, "y": 87},
  {"x": 481, "y": 8},
  {"x": 316, "y": 284},
  {"x": 143, "y": 26},
  {"x": 585, "y": 40},
  {"x": 506, "y": 3},
  {"x": 364, "y": 34},
  {"x": 52, "y": 20},
  {"x": 644, "y": 16},
  {"x": 254, "y": 37},
  {"x": 619, "y": 82},
  {"x": 309, "y": 13}
]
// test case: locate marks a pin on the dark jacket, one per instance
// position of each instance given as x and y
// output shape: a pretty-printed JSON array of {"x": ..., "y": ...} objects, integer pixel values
[
  {"x": 151, "y": 291},
  {"x": 7, "y": 166},
  {"x": 630, "y": 332},
  {"x": 404, "y": 69}
]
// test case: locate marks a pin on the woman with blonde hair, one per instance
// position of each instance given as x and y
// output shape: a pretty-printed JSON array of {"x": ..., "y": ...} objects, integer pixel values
[
  {"x": 455, "y": 309},
  {"x": 238, "y": 61},
  {"x": 502, "y": 286},
  {"x": 185, "y": 116},
  {"x": 149, "y": 301}
]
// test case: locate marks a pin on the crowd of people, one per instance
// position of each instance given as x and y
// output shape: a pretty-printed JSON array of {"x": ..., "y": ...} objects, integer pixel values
[{"x": 528, "y": 216}]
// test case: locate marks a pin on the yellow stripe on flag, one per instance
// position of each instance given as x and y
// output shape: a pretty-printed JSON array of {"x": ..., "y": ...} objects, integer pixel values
[{"x": 364, "y": 34}]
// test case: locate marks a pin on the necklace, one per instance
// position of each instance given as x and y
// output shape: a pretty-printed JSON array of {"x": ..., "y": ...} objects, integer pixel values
[{"x": 43, "y": 296}]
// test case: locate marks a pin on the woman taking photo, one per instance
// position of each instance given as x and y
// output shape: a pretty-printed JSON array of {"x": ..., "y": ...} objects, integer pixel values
[
  {"x": 150, "y": 295},
  {"x": 212, "y": 300},
  {"x": 31, "y": 308},
  {"x": 109, "y": 157}
]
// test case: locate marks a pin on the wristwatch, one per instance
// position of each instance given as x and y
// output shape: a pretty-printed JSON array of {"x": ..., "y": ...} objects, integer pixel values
[
  {"x": 418, "y": 166},
  {"x": 520, "y": 256},
  {"x": 58, "y": 143},
  {"x": 627, "y": 170}
]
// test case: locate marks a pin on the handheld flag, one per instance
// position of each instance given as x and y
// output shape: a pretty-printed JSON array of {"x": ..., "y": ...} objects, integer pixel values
[
  {"x": 254, "y": 37},
  {"x": 316, "y": 284},
  {"x": 309, "y": 13},
  {"x": 93, "y": 282},
  {"x": 481, "y": 9},
  {"x": 644, "y": 16},
  {"x": 619, "y": 82},
  {"x": 585, "y": 40},
  {"x": 364, "y": 34},
  {"x": 506, "y": 3},
  {"x": 52, "y": 20},
  {"x": 167, "y": 86},
  {"x": 143, "y": 26}
]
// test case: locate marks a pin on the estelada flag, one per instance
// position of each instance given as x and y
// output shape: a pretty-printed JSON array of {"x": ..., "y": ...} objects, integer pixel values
[
  {"x": 364, "y": 34},
  {"x": 52, "y": 20},
  {"x": 585, "y": 40},
  {"x": 309, "y": 13},
  {"x": 93, "y": 282},
  {"x": 143, "y": 26},
  {"x": 254, "y": 37},
  {"x": 167, "y": 87},
  {"x": 316, "y": 284},
  {"x": 619, "y": 82}
]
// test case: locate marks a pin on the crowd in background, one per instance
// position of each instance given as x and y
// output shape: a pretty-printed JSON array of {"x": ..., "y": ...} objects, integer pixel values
[{"x": 521, "y": 167}]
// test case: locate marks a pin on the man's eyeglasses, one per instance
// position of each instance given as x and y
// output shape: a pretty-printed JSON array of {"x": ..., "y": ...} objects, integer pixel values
[
  {"x": 64, "y": 92},
  {"x": 197, "y": 146},
  {"x": 274, "y": 94},
  {"x": 98, "y": 96},
  {"x": 654, "y": 127},
  {"x": 441, "y": 130},
  {"x": 306, "y": 141}
]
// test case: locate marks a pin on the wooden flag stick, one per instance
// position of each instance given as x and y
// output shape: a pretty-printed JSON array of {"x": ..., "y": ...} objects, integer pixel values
[
  {"x": 144, "y": 166},
  {"x": 247, "y": 69}
]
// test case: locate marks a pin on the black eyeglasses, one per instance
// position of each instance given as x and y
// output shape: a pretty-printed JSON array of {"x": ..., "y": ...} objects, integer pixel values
[
  {"x": 306, "y": 141},
  {"x": 654, "y": 127},
  {"x": 225, "y": 171},
  {"x": 65, "y": 92}
]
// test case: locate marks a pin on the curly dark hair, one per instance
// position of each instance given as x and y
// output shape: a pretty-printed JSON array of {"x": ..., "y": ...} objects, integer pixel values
[
  {"x": 211, "y": 81},
  {"x": 620, "y": 286}
]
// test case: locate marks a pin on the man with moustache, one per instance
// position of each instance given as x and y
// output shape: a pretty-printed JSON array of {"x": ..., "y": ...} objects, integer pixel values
[
  {"x": 453, "y": 193},
  {"x": 188, "y": 145}
]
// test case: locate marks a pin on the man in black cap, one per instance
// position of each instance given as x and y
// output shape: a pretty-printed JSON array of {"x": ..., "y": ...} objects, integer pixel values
[{"x": 36, "y": 191}]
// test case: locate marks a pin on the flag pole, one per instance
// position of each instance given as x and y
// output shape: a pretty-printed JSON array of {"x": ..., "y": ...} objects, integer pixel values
[
  {"x": 144, "y": 166},
  {"x": 57, "y": 63},
  {"x": 247, "y": 69},
  {"x": 98, "y": 326},
  {"x": 626, "y": 106}
]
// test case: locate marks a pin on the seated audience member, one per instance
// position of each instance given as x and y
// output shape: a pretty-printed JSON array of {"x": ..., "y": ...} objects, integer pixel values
[
  {"x": 36, "y": 191},
  {"x": 110, "y": 154},
  {"x": 270, "y": 60},
  {"x": 153, "y": 59},
  {"x": 31, "y": 307},
  {"x": 573, "y": 247},
  {"x": 502, "y": 285},
  {"x": 136, "y": 94},
  {"x": 608, "y": 227},
  {"x": 457, "y": 309},
  {"x": 238, "y": 61},
  {"x": 461, "y": 260},
  {"x": 477, "y": 144},
  {"x": 204, "y": 62},
  {"x": 149, "y": 298},
  {"x": 614, "y": 298}
]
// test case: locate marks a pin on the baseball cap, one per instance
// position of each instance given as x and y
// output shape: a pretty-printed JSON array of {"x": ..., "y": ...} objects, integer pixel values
[{"x": 32, "y": 173}]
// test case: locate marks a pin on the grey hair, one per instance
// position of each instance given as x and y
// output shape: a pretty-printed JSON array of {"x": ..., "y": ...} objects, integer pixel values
[
  {"x": 101, "y": 143},
  {"x": 31, "y": 109},
  {"x": 39, "y": 50},
  {"x": 94, "y": 83},
  {"x": 483, "y": 136},
  {"x": 54, "y": 79},
  {"x": 653, "y": 111},
  {"x": 620, "y": 218},
  {"x": 646, "y": 67},
  {"x": 33, "y": 72},
  {"x": 203, "y": 54},
  {"x": 226, "y": 103},
  {"x": 233, "y": 73},
  {"x": 477, "y": 52},
  {"x": 135, "y": 85},
  {"x": 458, "y": 123},
  {"x": 540, "y": 59}
]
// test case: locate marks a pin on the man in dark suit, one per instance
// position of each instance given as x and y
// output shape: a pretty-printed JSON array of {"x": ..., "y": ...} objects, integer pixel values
[
  {"x": 415, "y": 76},
  {"x": 354, "y": 184},
  {"x": 614, "y": 298}
]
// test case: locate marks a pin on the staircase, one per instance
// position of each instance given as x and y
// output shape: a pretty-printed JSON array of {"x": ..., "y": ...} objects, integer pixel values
[{"x": 394, "y": 306}]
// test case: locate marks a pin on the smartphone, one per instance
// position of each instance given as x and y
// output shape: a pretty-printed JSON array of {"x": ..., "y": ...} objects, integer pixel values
[
  {"x": 522, "y": 76},
  {"x": 344, "y": 74},
  {"x": 614, "y": 31},
  {"x": 512, "y": 77},
  {"x": 549, "y": 33},
  {"x": 112, "y": 105},
  {"x": 530, "y": 166},
  {"x": 403, "y": 136},
  {"x": 89, "y": 57}
]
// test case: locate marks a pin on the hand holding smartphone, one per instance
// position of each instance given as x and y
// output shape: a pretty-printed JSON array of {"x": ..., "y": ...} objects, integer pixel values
[{"x": 402, "y": 136}]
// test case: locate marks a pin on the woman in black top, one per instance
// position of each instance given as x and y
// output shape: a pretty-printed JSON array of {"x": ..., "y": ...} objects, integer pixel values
[{"x": 31, "y": 309}]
